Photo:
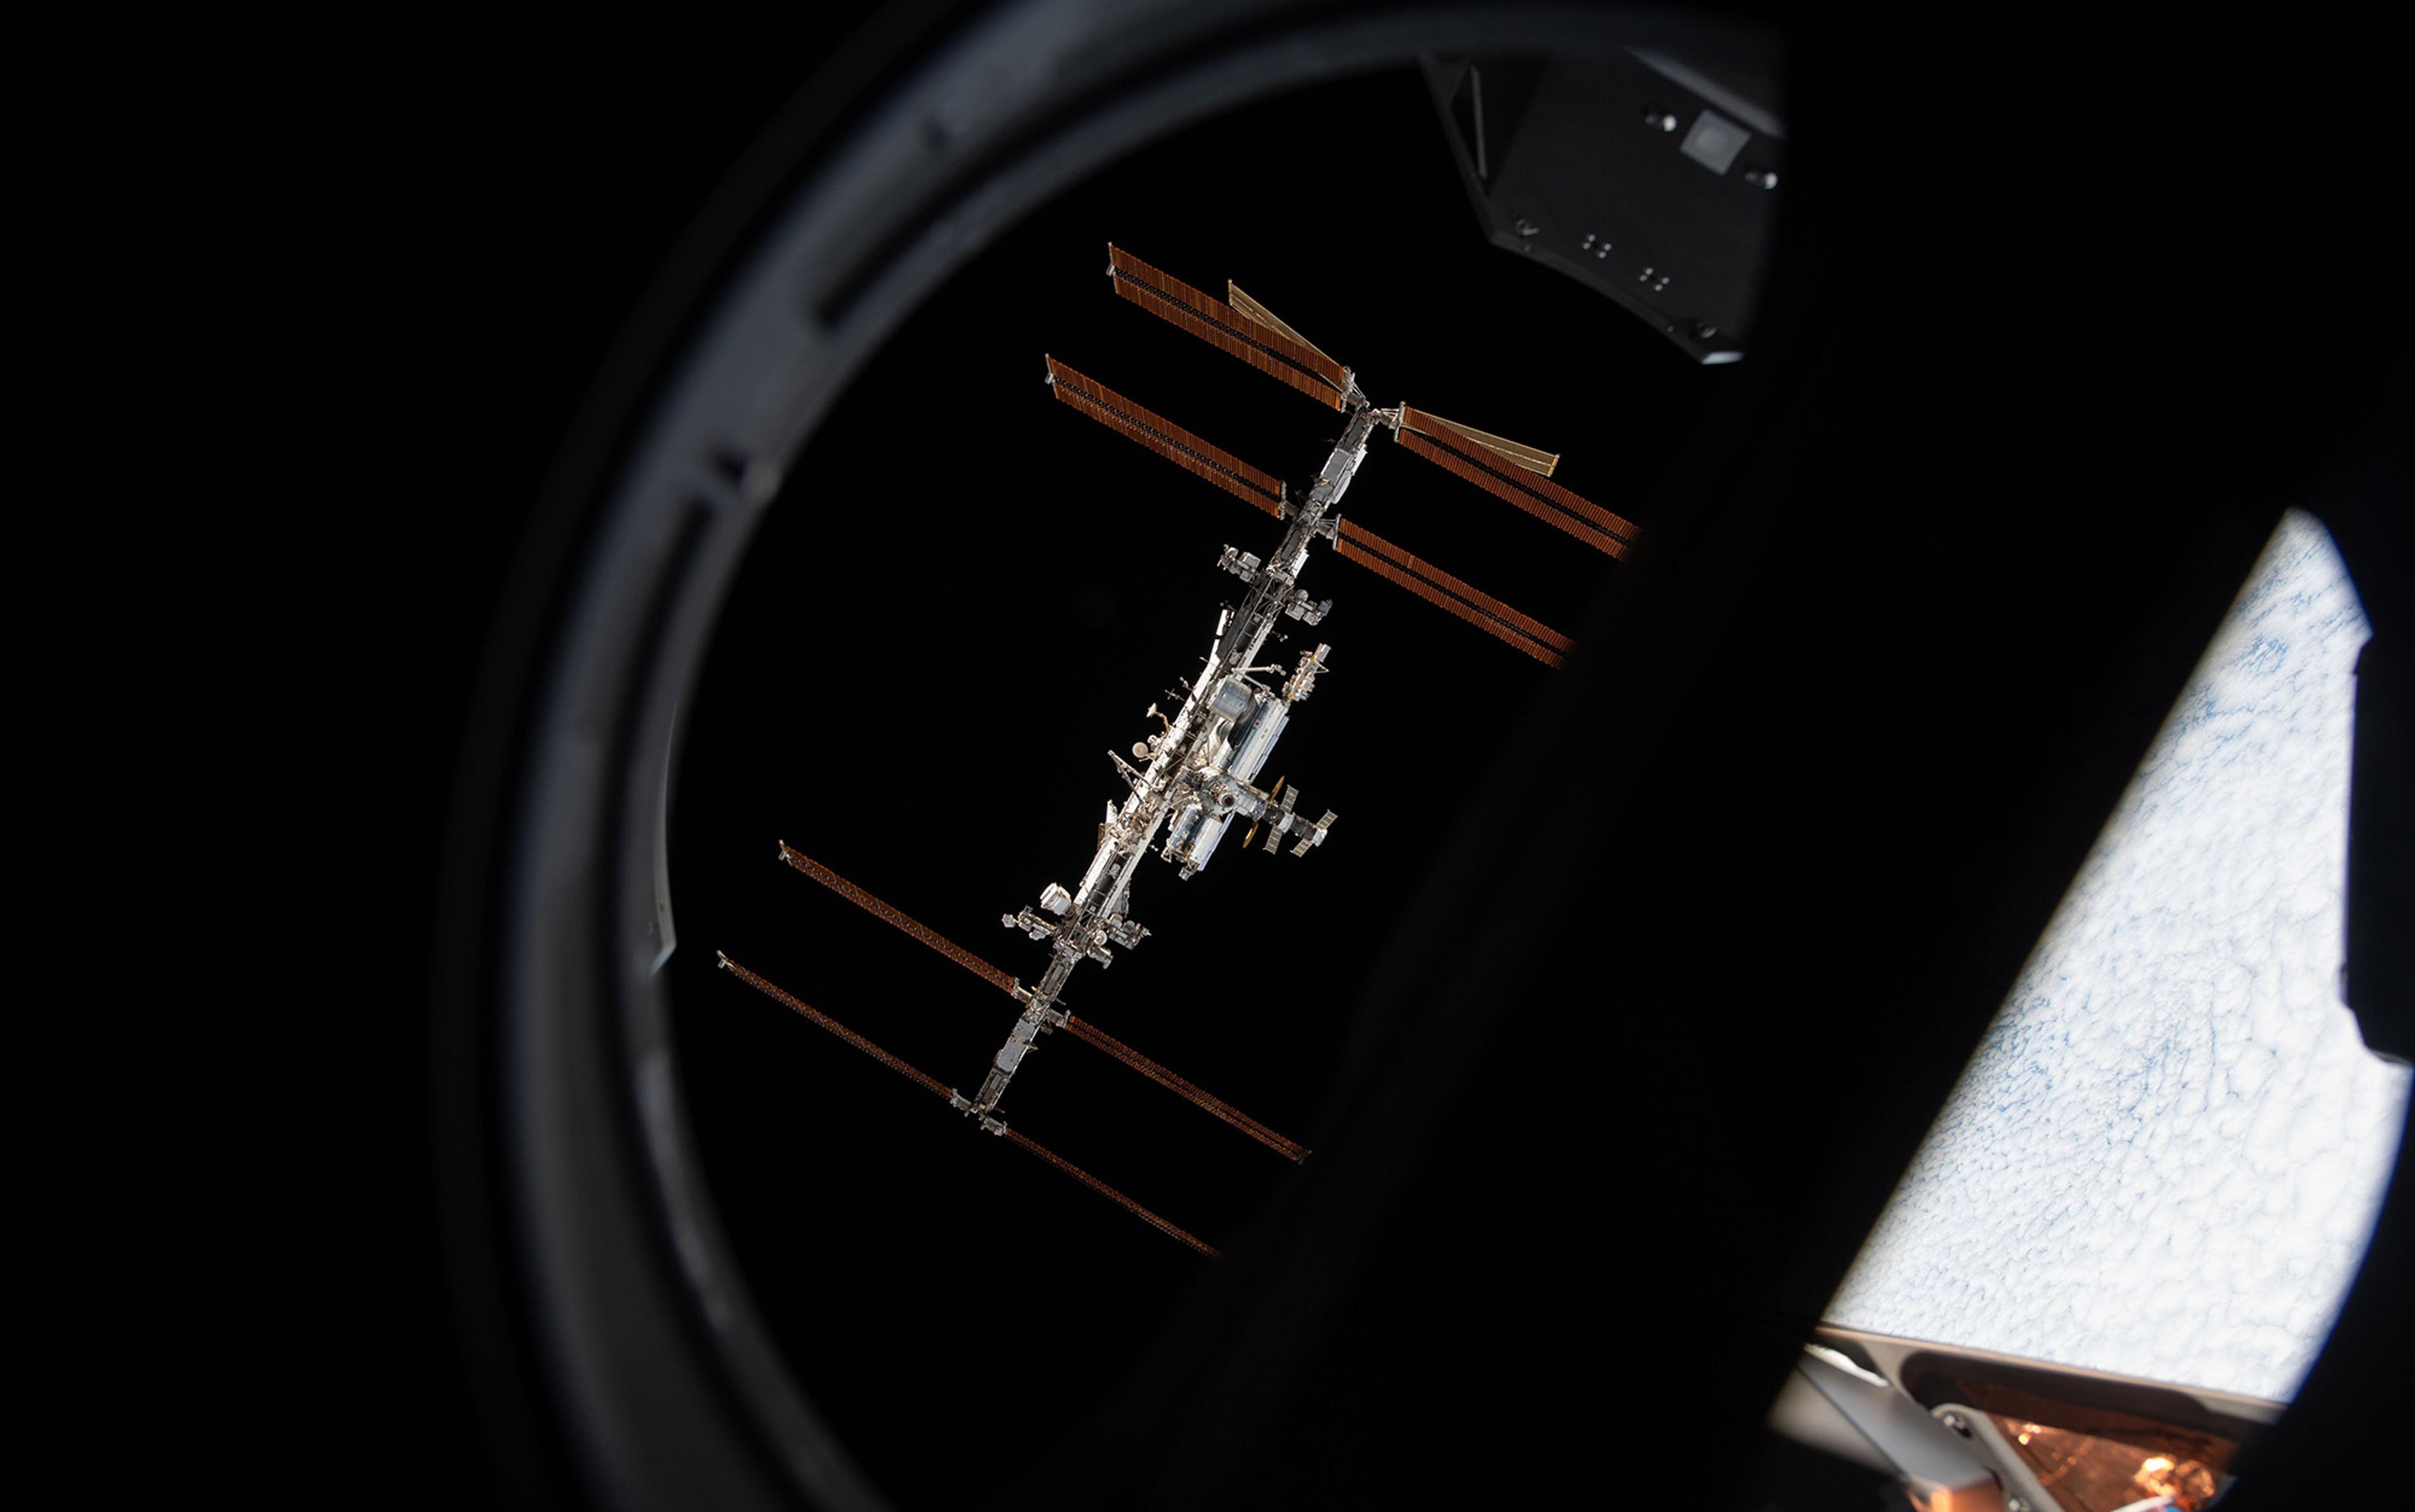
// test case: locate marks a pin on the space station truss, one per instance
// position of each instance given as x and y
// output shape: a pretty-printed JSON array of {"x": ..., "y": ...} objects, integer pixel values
[{"x": 1199, "y": 766}]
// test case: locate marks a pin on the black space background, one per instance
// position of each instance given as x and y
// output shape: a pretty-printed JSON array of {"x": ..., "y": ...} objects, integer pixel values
[
  {"x": 510, "y": 202},
  {"x": 925, "y": 708}
]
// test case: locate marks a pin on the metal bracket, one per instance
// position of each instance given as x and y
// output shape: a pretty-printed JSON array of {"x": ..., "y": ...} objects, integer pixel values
[{"x": 965, "y": 1105}]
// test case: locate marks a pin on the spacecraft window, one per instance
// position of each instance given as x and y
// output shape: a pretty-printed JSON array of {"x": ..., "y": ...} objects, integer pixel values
[{"x": 2167, "y": 1154}]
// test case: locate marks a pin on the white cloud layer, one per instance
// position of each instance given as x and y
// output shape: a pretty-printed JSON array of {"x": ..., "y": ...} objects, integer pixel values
[{"x": 2166, "y": 1158}]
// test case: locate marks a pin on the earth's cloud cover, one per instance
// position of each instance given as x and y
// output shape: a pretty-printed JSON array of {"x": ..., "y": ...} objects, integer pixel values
[{"x": 2165, "y": 1159}]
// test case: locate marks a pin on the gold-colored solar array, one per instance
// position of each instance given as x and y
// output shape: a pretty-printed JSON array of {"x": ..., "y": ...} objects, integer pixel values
[{"x": 1532, "y": 459}]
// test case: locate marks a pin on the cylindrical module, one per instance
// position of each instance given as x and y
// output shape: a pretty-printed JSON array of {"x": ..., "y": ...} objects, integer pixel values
[{"x": 1256, "y": 740}]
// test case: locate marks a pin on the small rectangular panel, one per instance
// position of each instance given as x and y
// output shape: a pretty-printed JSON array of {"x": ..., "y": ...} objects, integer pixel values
[
  {"x": 1714, "y": 141},
  {"x": 1220, "y": 325},
  {"x": 1546, "y": 500},
  {"x": 1436, "y": 587},
  {"x": 1166, "y": 439}
]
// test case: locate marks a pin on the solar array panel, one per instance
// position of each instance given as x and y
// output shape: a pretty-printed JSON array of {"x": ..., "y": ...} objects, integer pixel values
[
  {"x": 1262, "y": 346},
  {"x": 1016, "y": 1136},
  {"x": 1166, "y": 439},
  {"x": 1091, "y": 1034},
  {"x": 934, "y": 1086},
  {"x": 1239, "y": 300},
  {"x": 1532, "y": 459},
  {"x": 883, "y": 911},
  {"x": 1356, "y": 543},
  {"x": 928, "y": 1084},
  {"x": 1491, "y": 471},
  {"x": 1080, "y": 1028}
]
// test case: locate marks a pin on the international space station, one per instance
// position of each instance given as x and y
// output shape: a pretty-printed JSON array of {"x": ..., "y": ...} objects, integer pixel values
[{"x": 1196, "y": 775}]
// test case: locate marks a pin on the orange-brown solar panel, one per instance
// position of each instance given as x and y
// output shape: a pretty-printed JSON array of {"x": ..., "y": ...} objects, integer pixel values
[
  {"x": 1080, "y": 1028},
  {"x": 1166, "y": 439},
  {"x": 928, "y": 1084},
  {"x": 1537, "y": 495},
  {"x": 1016, "y": 1136},
  {"x": 1308, "y": 383},
  {"x": 881, "y": 910},
  {"x": 1220, "y": 325},
  {"x": 1440, "y": 588},
  {"x": 1092, "y": 1034},
  {"x": 934, "y": 1086},
  {"x": 1263, "y": 333}
]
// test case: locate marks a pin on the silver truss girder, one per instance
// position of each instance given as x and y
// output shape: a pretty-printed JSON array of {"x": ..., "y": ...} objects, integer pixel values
[{"x": 1201, "y": 763}]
